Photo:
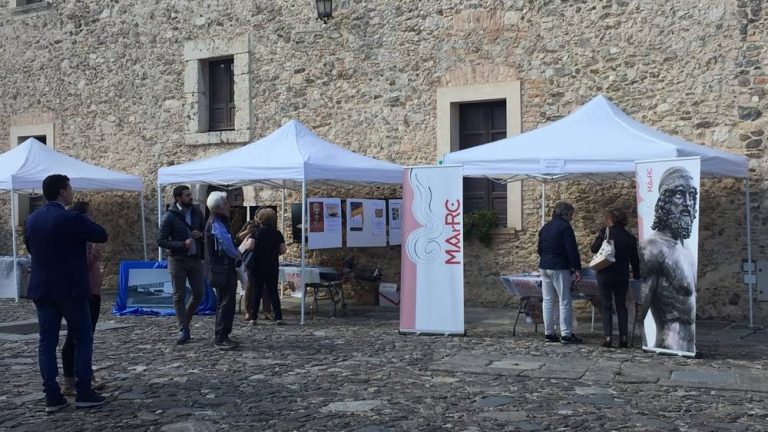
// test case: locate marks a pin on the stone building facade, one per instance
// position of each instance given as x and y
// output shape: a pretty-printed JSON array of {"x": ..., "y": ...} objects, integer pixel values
[{"x": 125, "y": 85}]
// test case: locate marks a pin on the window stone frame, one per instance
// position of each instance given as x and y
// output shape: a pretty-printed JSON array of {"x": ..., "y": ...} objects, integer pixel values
[
  {"x": 448, "y": 101},
  {"x": 197, "y": 54},
  {"x": 28, "y": 10}
]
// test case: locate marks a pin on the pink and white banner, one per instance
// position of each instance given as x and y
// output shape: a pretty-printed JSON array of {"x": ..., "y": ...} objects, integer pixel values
[
  {"x": 668, "y": 230},
  {"x": 432, "y": 274}
]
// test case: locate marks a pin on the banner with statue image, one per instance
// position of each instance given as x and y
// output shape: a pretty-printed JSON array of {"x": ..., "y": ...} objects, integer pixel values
[{"x": 668, "y": 230}]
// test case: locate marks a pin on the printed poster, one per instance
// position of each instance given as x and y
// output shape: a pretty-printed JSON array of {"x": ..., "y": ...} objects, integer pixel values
[
  {"x": 668, "y": 230},
  {"x": 432, "y": 258},
  {"x": 366, "y": 223},
  {"x": 324, "y": 220},
  {"x": 395, "y": 207}
]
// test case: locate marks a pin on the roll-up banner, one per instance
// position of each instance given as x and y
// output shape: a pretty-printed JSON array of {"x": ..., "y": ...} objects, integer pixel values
[
  {"x": 668, "y": 230},
  {"x": 432, "y": 275}
]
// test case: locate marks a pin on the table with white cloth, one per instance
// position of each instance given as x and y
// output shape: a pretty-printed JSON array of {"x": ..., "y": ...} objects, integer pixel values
[
  {"x": 527, "y": 287},
  {"x": 10, "y": 288}
]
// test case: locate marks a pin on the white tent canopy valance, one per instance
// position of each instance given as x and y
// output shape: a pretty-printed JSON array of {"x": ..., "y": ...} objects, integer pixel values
[
  {"x": 291, "y": 156},
  {"x": 24, "y": 167},
  {"x": 598, "y": 140},
  {"x": 292, "y": 153}
]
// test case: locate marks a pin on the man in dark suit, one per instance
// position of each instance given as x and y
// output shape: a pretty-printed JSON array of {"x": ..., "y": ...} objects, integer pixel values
[
  {"x": 181, "y": 235},
  {"x": 56, "y": 238}
]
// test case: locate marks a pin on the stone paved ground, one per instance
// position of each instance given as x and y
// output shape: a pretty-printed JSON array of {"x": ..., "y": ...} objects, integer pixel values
[{"x": 357, "y": 373}]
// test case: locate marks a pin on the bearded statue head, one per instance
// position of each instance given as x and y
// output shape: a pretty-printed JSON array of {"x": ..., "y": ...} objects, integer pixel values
[{"x": 676, "y": 206}]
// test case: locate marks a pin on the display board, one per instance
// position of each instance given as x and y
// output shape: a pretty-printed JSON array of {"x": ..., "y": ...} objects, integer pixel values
[
  {"x": 144, "y": 288},
  {"x": 394, "y": 214},
  {"x": 668, "y": 228},
  {"x": 432, "y": 270},
  {"x": 366, "y": 222},
  {"x": 324, "y": 215}
]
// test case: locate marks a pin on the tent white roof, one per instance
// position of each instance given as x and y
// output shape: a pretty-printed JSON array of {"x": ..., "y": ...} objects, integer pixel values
[
  {"x": 597, "y": 140},
  {"x": 292, "y": 153},
  {"x": 24, "y": 167}
]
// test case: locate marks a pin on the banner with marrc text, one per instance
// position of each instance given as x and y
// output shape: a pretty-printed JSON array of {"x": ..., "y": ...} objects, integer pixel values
[{"x": 432, "y": 273}]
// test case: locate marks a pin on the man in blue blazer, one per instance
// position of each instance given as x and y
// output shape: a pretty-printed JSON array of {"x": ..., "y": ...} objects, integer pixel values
[{"x": 56, "y": 238}]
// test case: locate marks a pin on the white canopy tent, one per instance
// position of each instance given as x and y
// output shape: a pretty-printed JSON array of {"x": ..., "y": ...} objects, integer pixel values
[
  {"x": 25, "y": 166},
  {"x": 599, "y": 142},
  {"x": 288, "y": 158}
]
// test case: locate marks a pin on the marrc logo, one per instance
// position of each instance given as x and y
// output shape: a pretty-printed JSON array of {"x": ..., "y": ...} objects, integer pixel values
[{"x": 453, "y": 221}]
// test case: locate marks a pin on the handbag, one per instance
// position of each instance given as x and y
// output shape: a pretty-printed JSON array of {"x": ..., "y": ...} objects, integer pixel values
[{"x": 605, "y": 256}]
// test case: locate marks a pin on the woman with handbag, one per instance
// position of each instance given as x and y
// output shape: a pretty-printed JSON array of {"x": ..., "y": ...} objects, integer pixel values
[
  {"x": 248, "y": 231},
  {"x": 613, "y": 278},
  {"x": 268, "y": 244}
]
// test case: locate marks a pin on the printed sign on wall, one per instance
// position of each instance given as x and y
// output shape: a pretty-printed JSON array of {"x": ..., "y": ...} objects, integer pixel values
[{"x": 324, "y": 220}]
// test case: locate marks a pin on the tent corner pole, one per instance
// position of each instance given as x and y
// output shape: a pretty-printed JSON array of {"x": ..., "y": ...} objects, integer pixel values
[
  {"x": 543, "y": 203},
  {"x": 159, "y": 217},
  {"x": 303, "y": 240},
  {"x": 143, "y": 225},
  {"x": 747, "y": 215},
  {"x": 15, "y": 252},
  {"x": 282, "y": 209}
]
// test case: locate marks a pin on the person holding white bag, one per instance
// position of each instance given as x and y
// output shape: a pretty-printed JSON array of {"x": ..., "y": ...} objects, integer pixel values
[{"x": 613, "y": 274}]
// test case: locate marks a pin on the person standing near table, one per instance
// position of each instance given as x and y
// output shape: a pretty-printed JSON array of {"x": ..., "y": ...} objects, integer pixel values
[
  {"x": 269, "y": 244},
  {"x": 95, "y": 281},
  {"x": 181, "y": 234},
  {"x": 613, "y": 281},
  {"x": 247, "y": 231},
  {"x": 559, "y": 262},
  {"x": 222, "y": 258},
  {"x": 57, "y": 238}
]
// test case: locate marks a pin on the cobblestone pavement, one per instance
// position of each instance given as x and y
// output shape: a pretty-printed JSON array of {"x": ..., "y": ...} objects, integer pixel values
[{"x": 357, "y": 373}]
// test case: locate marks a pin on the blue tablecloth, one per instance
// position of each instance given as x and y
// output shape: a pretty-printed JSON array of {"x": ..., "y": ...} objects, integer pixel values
[{"x": 152, "y": 297}]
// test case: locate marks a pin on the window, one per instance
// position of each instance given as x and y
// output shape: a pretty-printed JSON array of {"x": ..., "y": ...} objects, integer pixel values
[
  {"x": 484, "y": 120},
  {"x": 217, "y": 91},
  {"x": 41, "y": 128},
  {"x": 221, "y": 99},
  {"x": 27, "y": 2},
  {"x": 481, "y": 123},
  {"x": 28, "y": 7}
]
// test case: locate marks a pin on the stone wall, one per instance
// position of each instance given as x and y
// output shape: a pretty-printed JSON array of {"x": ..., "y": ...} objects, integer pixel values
[{"x": 112, "y": 76}]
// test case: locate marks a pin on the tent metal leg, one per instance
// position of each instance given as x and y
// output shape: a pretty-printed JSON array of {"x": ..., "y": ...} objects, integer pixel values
[
  {"x": 143, "y": 226},
  {"x": 159, "y": 218},
  {"x": 303, "y": 241},
  {"x": 15, "y": 252},
  {"x": 543, "y": 203},
  {"x": 282, "y": 210},
  {"x": 748, "y": 216}
]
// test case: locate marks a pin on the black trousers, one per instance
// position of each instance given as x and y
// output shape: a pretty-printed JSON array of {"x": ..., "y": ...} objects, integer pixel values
[
  {"x": 613, "y": 290},
  {"x": 265, "y": 282},
  {"x": 226, "y": 294},
  {"x": 68, "y": 350}
]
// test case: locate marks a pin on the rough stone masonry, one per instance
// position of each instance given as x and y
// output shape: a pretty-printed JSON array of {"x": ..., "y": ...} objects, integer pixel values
[{"x": 116, "y": 81}]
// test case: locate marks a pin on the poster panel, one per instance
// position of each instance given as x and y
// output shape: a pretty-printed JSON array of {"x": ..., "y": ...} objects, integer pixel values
[
  {"x": 668, "y": 230},
  {"x": 366, "y": 223},
  {"x": 432, "y": 272},
  {"x": 324, "y": 223},
  {"x": 395, "y": 207}
]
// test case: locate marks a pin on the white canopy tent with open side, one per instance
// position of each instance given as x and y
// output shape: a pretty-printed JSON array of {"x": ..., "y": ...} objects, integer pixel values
[
  {"x": 25, "y": 166},
  {"x": 598, "y": 142},
  {"x": 288, "y": 158}
]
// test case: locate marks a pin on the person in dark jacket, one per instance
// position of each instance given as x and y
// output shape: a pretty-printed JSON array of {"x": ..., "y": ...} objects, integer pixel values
[
  {"x": 181, "y": 234},
  {"x": 269, "y": 244},
  {"x": 57, "y": 240},
  {"x": 559, "y": 262},
  {"x": 223, "y": 258},
  {"x": 613, "y": 281}
]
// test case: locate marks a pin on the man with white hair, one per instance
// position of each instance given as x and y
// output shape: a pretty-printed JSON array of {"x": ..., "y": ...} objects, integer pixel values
[{"x": 223, "y": 258}]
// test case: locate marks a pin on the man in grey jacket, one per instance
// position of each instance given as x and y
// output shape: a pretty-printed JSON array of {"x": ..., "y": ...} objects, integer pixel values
[{"x": 181, "y": 234}]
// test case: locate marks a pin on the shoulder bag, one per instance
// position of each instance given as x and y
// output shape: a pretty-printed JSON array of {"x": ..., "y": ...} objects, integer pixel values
[{"x": 605, "y": 256}]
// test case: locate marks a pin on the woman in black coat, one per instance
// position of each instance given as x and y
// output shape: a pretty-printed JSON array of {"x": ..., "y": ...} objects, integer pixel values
[{"x": 613, "y": 281}]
